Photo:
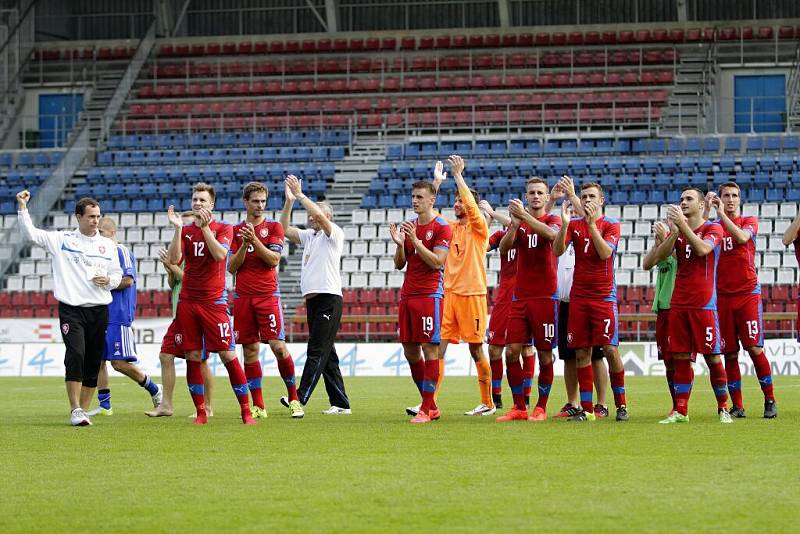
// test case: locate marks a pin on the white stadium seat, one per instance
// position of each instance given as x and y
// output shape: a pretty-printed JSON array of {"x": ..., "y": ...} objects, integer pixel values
[
  {"x": 377, "y": 216},
  {"x": 649, "y": 212},
  {"x": 377, "y": 280},
  {"x": 766, "y": 276},
  {"x": 128, "y": 220},
  {"x": 394, "y": 215},
  {"x": 368, "y": 264},
  {"x": 769, "y": 210},
  {"x": 368, "y": 231},
  {"x": 750, "y": 210},
  {"x": 395, "y": 279},
  {"x": 786, "y": 276},
  {"x": 358, "y": 248},
  {"x": 613, "y": 210},
  {"x": 349, "y": 265},
  {"x": 359, "y": 216},
  {"x": 144, "y": 219},
  {"x": 378, "y": 248},
  {"x": 788, "y": 210},
  {"x": 358, "y": 280}
]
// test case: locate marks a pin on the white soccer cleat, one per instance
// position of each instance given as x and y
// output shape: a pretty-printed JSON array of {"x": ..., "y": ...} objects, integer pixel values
[
  {"x": 335, "y": 410},
  {"x": 481, "y": 409},
  {"x": 100, "y": 411},
  {"x": 725, "y": 417},
  {"x": 79, "y": 418},
  {"x": 413, "y": 410},
  {"x": 158, "y": 397}
]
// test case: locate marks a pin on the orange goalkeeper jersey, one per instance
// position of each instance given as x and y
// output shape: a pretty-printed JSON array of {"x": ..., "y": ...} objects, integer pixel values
[{"x": 465, "y": 270}]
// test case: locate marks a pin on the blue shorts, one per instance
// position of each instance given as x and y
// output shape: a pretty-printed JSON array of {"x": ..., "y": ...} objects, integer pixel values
[{"x": 120, "y": 343}]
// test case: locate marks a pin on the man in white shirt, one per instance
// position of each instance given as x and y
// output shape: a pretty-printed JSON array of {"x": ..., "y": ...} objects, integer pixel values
[
  {"x": 85, "y": 270},
  {"x": 321, "y": 284}
]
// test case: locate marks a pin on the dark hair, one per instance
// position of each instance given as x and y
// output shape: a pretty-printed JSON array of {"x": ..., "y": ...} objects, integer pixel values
[
  {"x": 599, "y": 187},
  {"x": 84, "y": 203},
  {"x": 700, "y": 192},
  {"x": 254, "y": 187},
  {"x": 424, "y": 184},
  {"x": 208, "y": 188},
  {"x": 729, "y": 184}
]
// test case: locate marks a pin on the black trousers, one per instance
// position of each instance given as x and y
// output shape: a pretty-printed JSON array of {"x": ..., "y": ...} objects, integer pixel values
[
  {"x": 83, "y": 330},
  {"x": 324, "y": 318}
]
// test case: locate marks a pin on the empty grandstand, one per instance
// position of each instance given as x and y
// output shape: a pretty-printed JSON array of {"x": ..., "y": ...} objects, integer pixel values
[{"x": 132, "y": 107}]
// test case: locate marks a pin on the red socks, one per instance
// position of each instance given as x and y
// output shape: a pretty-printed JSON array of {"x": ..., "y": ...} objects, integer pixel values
[
  {"x": 585, "y": 387},
  {"x": 764, "y": 374},
  {"x": 528, "y": 370},
  {"x": 719, "y": 382},
  {"x": 734, "y": 376},
  {"x": 618, "y": 387},
  {"x": 238, "y": 383},
  {"x": 429, "y": 385},
  {"x": 254, "y": 375},
  {"x": 286, "y": 370},
  {"x": 497, "y": 376},
  {"x": 194, "y": 379},
  {"x": 545, "y": 383},
  {"x": 515, "y": 379},
  {"x": 684, "y": 377}
]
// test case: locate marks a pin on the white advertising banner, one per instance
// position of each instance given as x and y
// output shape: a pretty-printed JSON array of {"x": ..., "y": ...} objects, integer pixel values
[{"x": 32, "y": 347}]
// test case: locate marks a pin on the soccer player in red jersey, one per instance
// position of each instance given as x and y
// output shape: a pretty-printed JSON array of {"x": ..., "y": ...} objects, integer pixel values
[
  {"x": 534, "y": 311},
  {"x": 257, "y": 312},
  {"x": 693, "y": 321},
  {"x": 498, "y": 321},
  {"x": 202, "y": 314},
  {"x": 593, "y": 297},
  {"x": 422, "y": 247},
  {"x": 739, "y": 299}
]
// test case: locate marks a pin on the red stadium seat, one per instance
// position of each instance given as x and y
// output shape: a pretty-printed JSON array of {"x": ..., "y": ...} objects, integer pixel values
[
  {"x": 475, "y": 41},
  {"x": 408, "y": 43},
  {"x": 542, "y": 39},
  {"x": 625, "y": 37},
  {"x": 575, "y": 38},
  {"x": 786, "y": 32},
  {"x": 508, "y": 40},
  {"x": 747, "y": 33},
  {"x": 764, "y": 32},
  {"x": 558, "y": 39},
  {"x": 491, "y": 41},
  {"x": 609, "y": 37},
  {"x": 525, "y": 39}
]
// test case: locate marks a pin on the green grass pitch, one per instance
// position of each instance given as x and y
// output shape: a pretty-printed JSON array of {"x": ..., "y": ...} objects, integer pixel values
[{"x": 373, "y": 471}]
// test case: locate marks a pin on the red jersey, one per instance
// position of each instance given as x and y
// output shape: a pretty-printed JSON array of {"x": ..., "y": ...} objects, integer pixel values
[
  {"x": 203, "y": 277},
  {"x": 593, "y": 278},
  {"x": 736, "y": 272},
  {"x": 508, "y": 268},
  {"x": 537, "y": 266},
  {"x": 254, "y": 277},
  {"x": 420, "y": 279},
  {"x": 696, "y": 279}
]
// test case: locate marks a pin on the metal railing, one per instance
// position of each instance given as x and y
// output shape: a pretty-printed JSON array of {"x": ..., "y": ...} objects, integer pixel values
[
  {"x": 724, "y": 115},
  {"x": 46, "y": 130}
]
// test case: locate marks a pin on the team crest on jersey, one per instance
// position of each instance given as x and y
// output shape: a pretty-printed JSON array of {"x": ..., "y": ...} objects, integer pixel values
[
  {"x": 65, "y": 328},
  {"x": 569, "y": 337},
  {"x": 102, "y": 249},
  {"x": 236, "y": 335},
  {"x": 429, "y": 235},
  {"x": 178, "y": 339},
  {"x": 264, "y": 232},
  {"x": 722, "y": 344},
  {"x": 491, "y": 335}
]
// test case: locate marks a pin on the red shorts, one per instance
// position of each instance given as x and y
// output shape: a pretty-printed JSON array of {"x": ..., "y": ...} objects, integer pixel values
[
  {"x": 498, "y": 324},
  {"x": 662, "y": 334},
  {"x": 693, "y": 330},
  {"x": 205, "y": 321},
  {"x": 257, "y": 319},
  {"x": 420, "y": 320},
  {"x": 592, "y": 323},
  {"x": 534, "y": 319},
  {"x": 173, "y": 341},
  {"x": 740, "y": 319}
]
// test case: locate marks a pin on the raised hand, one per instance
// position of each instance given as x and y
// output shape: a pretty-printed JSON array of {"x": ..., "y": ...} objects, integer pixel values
[
  {"x": 566, "y": 185},
  {"x": 457, "y": 164},
  {"x": 660, "y": 231},
  {"x": 715, "y": 201},
  {"x": 438, "y": 172},
  {"x": 248, "y": 233},
  {"x": 675, "y": 216},
  {"x": 174, "y": 219},
  {"x": 516, "y": 209},
  {"x": 203, "y": 217},
  {"x": 592, "y": 212},
  {"x": 163, "y": 256},
  {"x": 294, "y": 185},
  {"x": 409, "y": 229},
  {"x": 565, "y": 212},
  {"x": 22, "y": 199},
  {"x": 557, "y": 192},
  {"x": 397, "y": 235}
]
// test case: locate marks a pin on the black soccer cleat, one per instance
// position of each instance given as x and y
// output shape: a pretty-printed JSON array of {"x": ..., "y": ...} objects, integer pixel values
[
  {"x": 737, "y": 412},
  {"x": 582, "y": 416},
  {"x": 622, "y": 413},
  {"x": 497, "y": 400},
  {"x": 770, "y": 409},
  {"x": 285, "y": 401}
]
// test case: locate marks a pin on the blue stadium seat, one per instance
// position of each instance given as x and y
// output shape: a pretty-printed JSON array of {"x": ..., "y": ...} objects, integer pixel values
[
  {"x": 675, "y": 145},
  {"x": 772, "y": 144},
  {"x": 733, "y": 144},
  {"x": 693, "y": 145},
  {"x": 791, "y": 143},
  {"x": 711, "y": 145},
  {"x": 755, "y": 144}
]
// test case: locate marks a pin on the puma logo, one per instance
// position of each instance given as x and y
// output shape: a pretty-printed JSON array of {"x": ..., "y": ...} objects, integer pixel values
[{"x": 328, "y": 317}]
